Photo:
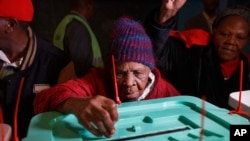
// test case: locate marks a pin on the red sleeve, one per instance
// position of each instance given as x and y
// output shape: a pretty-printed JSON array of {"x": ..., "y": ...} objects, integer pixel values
[
  {"x": 49, "y": 99},
  {"x": 192, "y": 37}
]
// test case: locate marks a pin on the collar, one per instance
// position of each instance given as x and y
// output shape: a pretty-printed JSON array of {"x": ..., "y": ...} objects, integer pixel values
[
  {"x": 6, "y": 62},
  {"x": 207, "y": 17},
  {"x": 148, "y": 88},
  {"x": 78, "y": 14},
  {"x": 209, "y": 20},
  {"x": 228, "y": 68}
]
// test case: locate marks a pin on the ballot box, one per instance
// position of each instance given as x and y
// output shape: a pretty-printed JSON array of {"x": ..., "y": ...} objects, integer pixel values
[
  {"x": 244, "y": 103},
  {"x": 180, "y": 118}
]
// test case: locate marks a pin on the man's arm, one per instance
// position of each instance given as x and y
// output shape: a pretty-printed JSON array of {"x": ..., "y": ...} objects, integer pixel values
[{"x": 160, "y": 22}]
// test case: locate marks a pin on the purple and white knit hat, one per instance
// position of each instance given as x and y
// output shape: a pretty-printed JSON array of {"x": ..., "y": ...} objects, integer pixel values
[{"x": 130, "y": 42}]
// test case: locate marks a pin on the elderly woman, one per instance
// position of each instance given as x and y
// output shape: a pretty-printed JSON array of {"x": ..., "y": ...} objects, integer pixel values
[{"x": 92, "y": 97}]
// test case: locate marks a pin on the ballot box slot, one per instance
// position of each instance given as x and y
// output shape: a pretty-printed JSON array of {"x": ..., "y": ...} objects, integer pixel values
[{"x": 152, "y": 134}]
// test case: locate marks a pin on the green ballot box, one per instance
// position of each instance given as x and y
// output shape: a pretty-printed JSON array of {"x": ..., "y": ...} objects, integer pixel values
[{"x": 180, "y": 118}]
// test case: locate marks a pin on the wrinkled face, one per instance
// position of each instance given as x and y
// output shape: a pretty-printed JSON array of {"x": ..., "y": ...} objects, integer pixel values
[
  {"x": 230, "y": 37},
  {"x": 132, "y": 79}
]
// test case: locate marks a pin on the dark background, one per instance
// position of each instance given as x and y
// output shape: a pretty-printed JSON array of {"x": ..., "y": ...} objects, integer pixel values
[{"x": 48, "y": 14}]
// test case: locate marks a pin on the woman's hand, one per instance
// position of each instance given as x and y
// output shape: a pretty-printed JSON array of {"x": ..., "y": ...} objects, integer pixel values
[{"x": 98, "y": 113}]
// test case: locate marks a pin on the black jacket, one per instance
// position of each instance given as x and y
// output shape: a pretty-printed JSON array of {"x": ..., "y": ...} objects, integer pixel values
[{"x": 47, "y": 63}]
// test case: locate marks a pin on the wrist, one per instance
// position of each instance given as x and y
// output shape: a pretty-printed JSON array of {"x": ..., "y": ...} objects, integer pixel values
[{"x": 66, "y": 106}]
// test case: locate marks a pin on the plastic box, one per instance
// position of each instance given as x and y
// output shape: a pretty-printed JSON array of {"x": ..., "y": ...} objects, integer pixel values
[
  {"x": 170, "y": 119},
  {"x": 245, "y": 100}
]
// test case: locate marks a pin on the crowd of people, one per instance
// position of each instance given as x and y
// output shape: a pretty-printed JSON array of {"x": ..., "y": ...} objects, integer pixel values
[
  {"x": 198, "y": 63},
  {"x": 147, "y": 60}
]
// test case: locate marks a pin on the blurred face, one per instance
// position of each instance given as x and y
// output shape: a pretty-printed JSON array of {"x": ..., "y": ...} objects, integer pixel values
[
  {"x": 230, "y": 37},
  {"x": 2, "y": 24},
  {"x": 90, "y": 9},
  {"x": 132, "y": 79},
  {"x": 5, "y": 27}
]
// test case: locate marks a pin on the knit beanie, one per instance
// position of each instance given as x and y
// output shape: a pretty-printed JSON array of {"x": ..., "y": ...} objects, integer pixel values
[
  {"x": 239, "y": 10},
  {"x": 130, "y": 42},
  {"x": 19, "y": 9}
]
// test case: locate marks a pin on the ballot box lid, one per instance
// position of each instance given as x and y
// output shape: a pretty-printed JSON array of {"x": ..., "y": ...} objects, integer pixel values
[
  {"x": 176, "y": 118},
  {"x": 244, "y": 102}
]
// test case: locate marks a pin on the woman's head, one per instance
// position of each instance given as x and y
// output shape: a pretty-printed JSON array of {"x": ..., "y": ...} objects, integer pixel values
[
  {"x": 134, "y": 59},
  {"x": 231, "y": 32}
]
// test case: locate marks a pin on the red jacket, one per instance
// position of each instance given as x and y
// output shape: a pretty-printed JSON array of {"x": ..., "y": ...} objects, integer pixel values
[{"x": 93, "y": 83}]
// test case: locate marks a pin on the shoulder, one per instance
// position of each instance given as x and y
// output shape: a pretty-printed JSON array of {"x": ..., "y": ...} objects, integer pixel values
[
  {"x": 45, "y": 46},
  {"x": 96, "y": 74},
  {"x": 163, "y": 85},
  {"x": 192, "y": 37},
  {"x": 160, "y": 81},
  {"x": 77, "y": 28},
  {"x": 95, "y": 78},
  {"x": 75, "y": 23},
  {"x": 47, "y": 52},
  {"x": 161, "y": 88}
]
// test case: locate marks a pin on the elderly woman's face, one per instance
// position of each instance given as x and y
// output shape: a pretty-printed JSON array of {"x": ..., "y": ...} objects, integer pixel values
[
  {"x": 230, "y": 37},
  {"x": 132, "y": 79}
]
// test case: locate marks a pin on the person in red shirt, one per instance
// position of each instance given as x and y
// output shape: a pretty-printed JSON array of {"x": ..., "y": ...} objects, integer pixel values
[{"x": 92, "y": 97}]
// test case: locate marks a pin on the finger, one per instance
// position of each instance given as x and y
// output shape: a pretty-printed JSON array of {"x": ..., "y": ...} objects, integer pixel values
[
  {"x": 114, "y": 113},
  {"x": 93, "y": 129},
  {"x": 103, "y": 120},
  {"x": 108, "y": 124},
  {"x": 102, "y": 129},
  {"x": 88, "y": 124},
  {"x": 104, "y": 117},
  {"x": 101, "y": 123},
  {"x": 111, "y": 107}
]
